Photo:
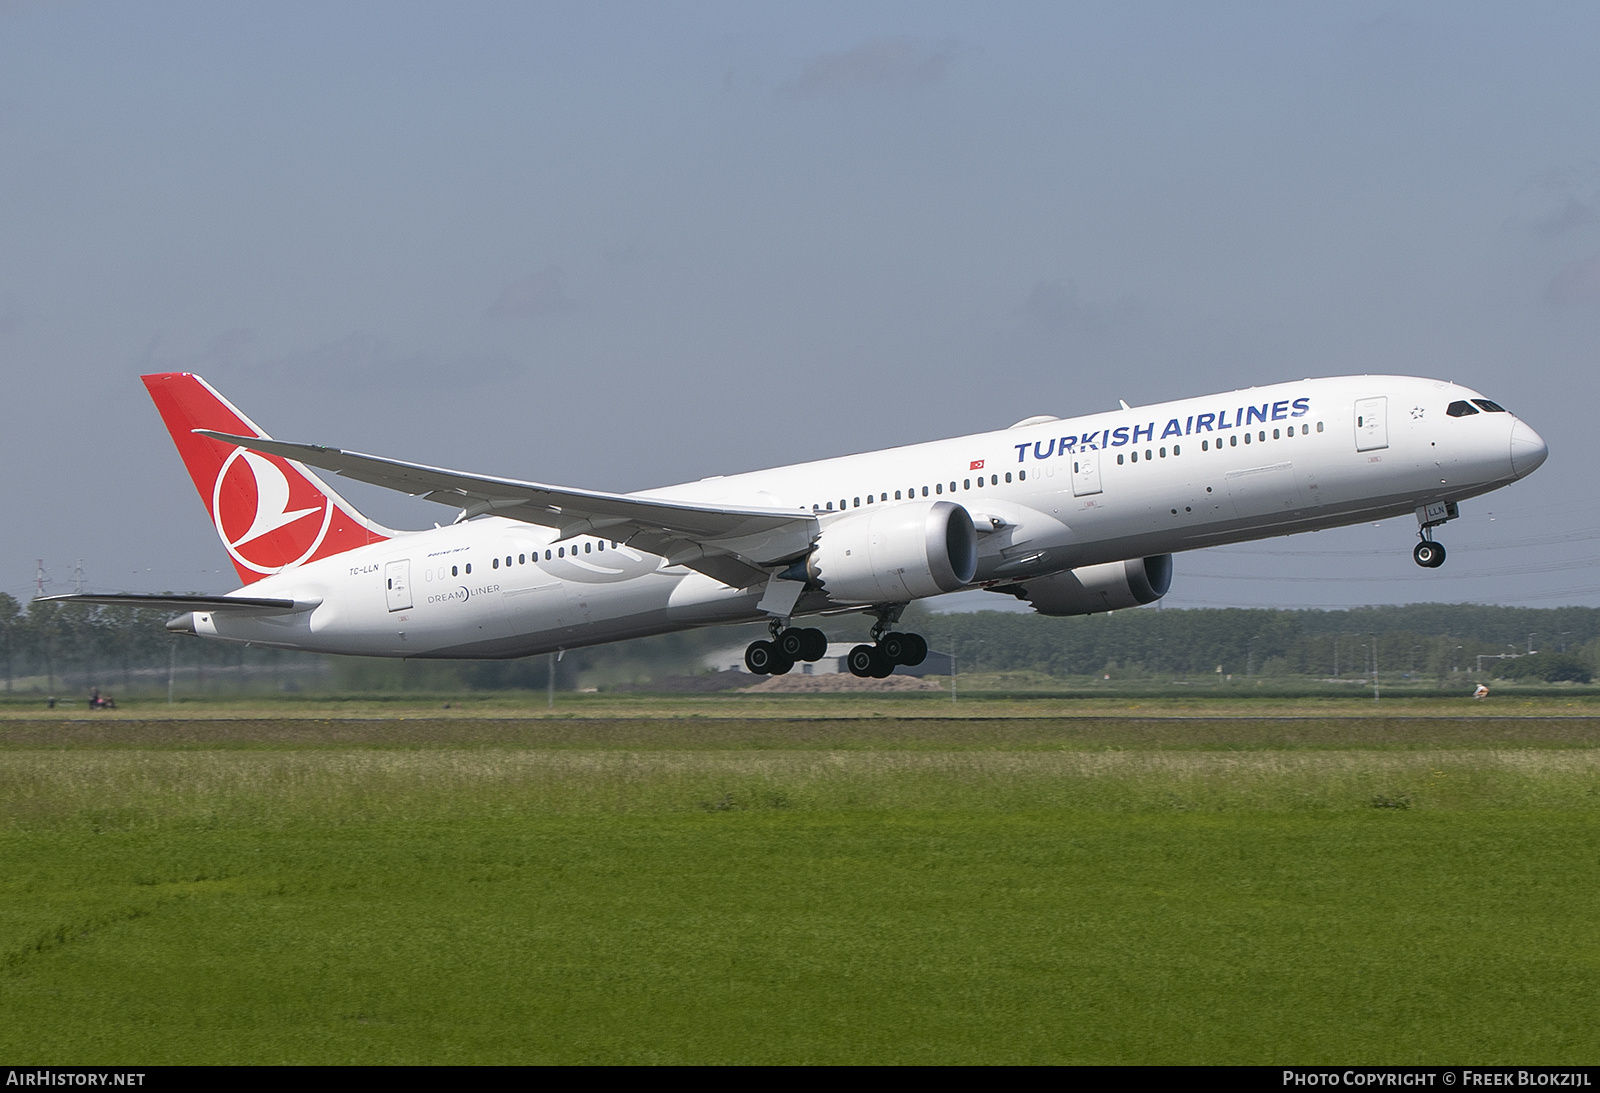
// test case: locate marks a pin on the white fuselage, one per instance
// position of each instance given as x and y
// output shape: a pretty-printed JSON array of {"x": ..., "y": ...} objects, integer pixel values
[{"x": 1050, "y": 496}]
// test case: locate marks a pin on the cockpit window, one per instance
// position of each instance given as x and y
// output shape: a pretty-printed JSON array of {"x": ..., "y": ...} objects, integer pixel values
[
  {"x": 1460, "y": 408},
  {"x": 1492, "y": 407}
]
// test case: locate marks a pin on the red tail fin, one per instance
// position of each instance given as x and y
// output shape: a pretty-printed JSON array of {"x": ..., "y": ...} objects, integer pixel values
[{"x": 270, "y": 512}]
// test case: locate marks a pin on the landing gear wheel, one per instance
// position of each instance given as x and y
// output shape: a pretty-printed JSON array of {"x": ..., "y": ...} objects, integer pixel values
[
  {"x": 907, "y": 649},
  {"x": 792, "y": 644},
  {"x": 1428, "y": 554},
  {"x": 761, "y": 657},
  {"x": 816, "y": 644},
  {"x": 798, "y": 643},
  {"x": 781, "y": 666},
  {"x": 868, "y": 661}
]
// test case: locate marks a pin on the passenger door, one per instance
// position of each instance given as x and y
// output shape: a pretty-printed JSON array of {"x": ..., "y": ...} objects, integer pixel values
[
  {"x": 1372, "y": 424},
  {"x": 397, "y": 584},
  {"x": 1085, "y": 473}
]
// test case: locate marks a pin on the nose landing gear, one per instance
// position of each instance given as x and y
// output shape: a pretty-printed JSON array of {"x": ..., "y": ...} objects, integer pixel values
[{"x": 1429, "y": 554}]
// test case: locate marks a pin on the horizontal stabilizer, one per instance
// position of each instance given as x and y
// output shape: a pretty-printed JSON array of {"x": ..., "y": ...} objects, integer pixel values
[{"x": 257, "y": 605}]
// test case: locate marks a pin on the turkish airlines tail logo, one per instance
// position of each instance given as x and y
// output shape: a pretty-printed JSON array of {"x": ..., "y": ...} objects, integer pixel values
[{"x": 271, "y": 513}]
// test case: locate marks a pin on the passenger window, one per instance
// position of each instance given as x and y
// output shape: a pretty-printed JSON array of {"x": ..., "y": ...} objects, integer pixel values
[
  {"x": 842, "y": 505},
  {"x": 1319, "y": 426},
  {"x": 469, "y": 569},
  {"x": 1074, "y": 467},
  {"x": 1247, "y": 438},
  {"x": 547, "y": 555},
  {"x": 952, "y": 487},
  {"x": 897, "y": 495},
  {"x": 1492, "y": 407},
  {"x": 830, "y": 506},
  {"x": 1275, "y": 435},
  {"x": 980, "y": 481},
  {"x": 924, "y": 491},
  {"x": 1119, "y": 459},
  {"x": 885, "y": 497},
  {"x": 454, "y": 572},
  {"x": 994, "y": 479},
  {"x": 1233, "y": 441},
  {"x": 858, "y": 502},
  {"x": 1022, "y": 476},
  {"x": 966, "y": 483},
  {"x": 1205, "y": 445},
  {"x": 1136, "y": 457},
  {"x": 1176, "y": 449},
  {"x": 869, "y": 498},
  {"x": 601, "y": 546},
  {"x": 1147, "y": 455},
  {"x": 1304, "y": 429},
  {"x": 1263, "y": 436},
  {"x": 522, "y": 559},
  {"x": 496, "y": 563},
  {"x": 588, "y": 547},
  {"x": 1461, "y": 408},
  {"x": 938, "y": 487},
  {"x": 1008, "y": 476},
  {"x": 1163, "y": 453}
]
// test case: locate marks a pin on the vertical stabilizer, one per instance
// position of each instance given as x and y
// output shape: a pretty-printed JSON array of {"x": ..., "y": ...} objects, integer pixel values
[{"x": 271, "y": 513}]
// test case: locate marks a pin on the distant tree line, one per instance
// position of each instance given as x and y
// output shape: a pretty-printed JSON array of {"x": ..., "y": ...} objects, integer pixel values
[
  {"x": 1423, "y": 640},
  {"x": 68, "y": 647}
]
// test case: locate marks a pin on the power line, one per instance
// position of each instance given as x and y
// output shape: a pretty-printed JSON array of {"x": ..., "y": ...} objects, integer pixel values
[
  {"x": 1510, "y": 544},
  {"x": 1514, "y": 571}
]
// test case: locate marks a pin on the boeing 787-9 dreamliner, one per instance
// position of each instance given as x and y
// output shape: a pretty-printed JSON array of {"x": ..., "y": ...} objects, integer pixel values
[{"x": 1075, "y": 516}]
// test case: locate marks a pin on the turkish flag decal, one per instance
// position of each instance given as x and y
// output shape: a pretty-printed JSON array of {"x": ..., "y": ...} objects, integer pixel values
[{"x": 977, "y": 465}]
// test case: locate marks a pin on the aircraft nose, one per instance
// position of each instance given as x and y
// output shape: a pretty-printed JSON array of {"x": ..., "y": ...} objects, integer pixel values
[{"x": 1528, "y": 450}]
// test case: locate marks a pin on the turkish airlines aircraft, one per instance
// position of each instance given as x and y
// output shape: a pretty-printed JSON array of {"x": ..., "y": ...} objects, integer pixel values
[{"x": 1075, "y": 516}]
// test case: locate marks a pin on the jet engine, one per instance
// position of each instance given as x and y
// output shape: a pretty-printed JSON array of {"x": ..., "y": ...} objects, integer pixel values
[
  {"x": 1095, "y": 588},
  {"x": 893, "y": 553}
]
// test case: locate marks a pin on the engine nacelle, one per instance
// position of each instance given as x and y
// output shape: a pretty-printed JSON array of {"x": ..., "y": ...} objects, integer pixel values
[
  {"x": 895, "y": 553},
  {"x": 1095, "y": 588}
]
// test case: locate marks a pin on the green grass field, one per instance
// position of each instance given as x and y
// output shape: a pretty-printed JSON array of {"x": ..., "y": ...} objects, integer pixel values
[{"x": 841, "y": 883}]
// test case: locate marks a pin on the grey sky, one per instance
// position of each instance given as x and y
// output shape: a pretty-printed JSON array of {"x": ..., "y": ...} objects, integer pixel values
[{"x": 622, "y": 245}]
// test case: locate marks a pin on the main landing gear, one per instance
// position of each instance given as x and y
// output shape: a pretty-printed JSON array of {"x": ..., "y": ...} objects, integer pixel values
[
  {"x": 889, "y": 649},
  {"x": 788, "y": 645}
]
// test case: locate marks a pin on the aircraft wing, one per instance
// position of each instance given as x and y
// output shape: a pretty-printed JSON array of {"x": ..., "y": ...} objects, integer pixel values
[
  {"x": 258, "y": 605},
  {"x": 730, "y": 544}
]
